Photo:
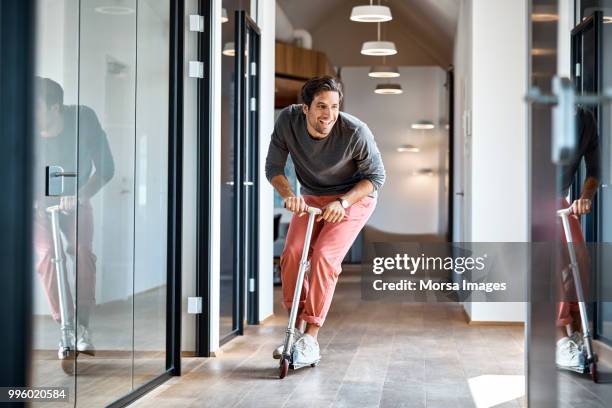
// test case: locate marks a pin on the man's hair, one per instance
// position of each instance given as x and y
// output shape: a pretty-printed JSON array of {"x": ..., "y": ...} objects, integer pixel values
[
  {"x": 314, "y": 86},
  {"x": 50, "y": 91}
]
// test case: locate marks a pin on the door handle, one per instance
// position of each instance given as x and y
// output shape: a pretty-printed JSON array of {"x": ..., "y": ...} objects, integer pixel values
[
  {"x": 229, "y": 183},
  {"x": 248, "y": 183},
  {"x": 460, "y": 194},
  {"x": 54, "y": 181}
]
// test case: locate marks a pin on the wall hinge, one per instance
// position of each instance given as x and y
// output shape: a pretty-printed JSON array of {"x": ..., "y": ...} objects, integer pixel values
[
  {"x": 253, "y": 104},
  {"x": 194, "y": 305},
  {"x": 253, "y": 68},
  {"x": 196, "y": 69},
  {"x": 578, "y": 69},
  {"x": 196, "y": 23},
  {"x": 251, "y": 285}
]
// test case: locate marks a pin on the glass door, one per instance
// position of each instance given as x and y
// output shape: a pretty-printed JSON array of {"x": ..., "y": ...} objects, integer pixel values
[
  {"x": 250, "y": 135},
  {"x": 102, "y": 187},
  {"x": 238, "y": 185}
]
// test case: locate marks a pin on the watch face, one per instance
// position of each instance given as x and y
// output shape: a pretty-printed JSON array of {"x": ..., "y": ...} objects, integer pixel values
[{"x": 345, "y": 204}]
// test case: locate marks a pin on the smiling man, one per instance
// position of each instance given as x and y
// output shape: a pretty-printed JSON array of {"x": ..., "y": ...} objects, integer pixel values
[{"x": 340, "y": 171}]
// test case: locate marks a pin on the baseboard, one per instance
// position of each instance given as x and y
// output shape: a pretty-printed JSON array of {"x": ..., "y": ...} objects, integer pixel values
[{"x": 471, "y": 322}]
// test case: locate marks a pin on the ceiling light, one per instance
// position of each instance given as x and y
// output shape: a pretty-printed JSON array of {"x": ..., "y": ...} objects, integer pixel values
[
  {"x": 423, "y": 172},
  {"x": 388, "y": 89},
  {"x": 543, "y": 52},
  {"x": 423, "y": 125},
  {"x": 544, "y": 17},
  {"x": 229, "y": 50},
  {"x": 371, "y": 14},
  {"x": 383, "y": 71},
  {"x": 114, "y": 10},
  {"x": 408, "y": 148},
  {"x": 378, "y": 48},
  {"x": 224, "y": 18}
]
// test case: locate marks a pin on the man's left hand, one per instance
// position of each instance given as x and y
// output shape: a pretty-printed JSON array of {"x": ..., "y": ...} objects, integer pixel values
[
  {"x": 332, "y": 212},
  {"x": 581, "y": 206}
]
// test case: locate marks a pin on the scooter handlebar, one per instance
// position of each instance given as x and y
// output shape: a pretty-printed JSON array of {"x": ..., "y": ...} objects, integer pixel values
[
  {"x": 565, "y": 212},
  {"x": 310, "y": 210}
]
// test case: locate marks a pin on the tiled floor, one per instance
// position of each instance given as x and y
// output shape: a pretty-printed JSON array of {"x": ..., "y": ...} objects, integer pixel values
[{"x": 373, "y": 354}]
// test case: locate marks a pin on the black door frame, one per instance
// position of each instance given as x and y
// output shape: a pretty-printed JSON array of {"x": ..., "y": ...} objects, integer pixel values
[
  {"x": 16, "y": 152},
  {"x": 250, "y": 137},
  {"x": 204, "y": 182}
]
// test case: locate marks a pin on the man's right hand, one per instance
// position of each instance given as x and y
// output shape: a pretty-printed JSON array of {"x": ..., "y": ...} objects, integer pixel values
[{"x": 296, "y": 205}]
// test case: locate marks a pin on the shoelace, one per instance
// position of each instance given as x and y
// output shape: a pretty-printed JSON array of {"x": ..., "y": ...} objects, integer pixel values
[{"x": 573, "y": 347}]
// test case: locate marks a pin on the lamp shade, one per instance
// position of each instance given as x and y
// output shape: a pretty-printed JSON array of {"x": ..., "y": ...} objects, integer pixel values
[
  {"x": 224, "y": 18},
  {"x": 378, "y": 48},
  {"x": 229, "y": 49},
  {"x": 383, "y": 71},
  {"x": 388, "y": 89},
  {"x": 371, "y": 14}
]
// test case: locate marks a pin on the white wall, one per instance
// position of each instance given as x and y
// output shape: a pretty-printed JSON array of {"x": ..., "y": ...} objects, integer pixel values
[
  {"x": 266, "y": 20},
  {"x": 408, "y": 204},
  {"x": 190, "y": 152},
  {"x": 497, "y": 83}
]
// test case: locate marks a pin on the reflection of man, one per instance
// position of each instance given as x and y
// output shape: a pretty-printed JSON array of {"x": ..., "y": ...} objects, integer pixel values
[
  {"x": 340, "y": 170},
  {"x": 56, "y": 124},
  {"x": 569, "y": 340}
]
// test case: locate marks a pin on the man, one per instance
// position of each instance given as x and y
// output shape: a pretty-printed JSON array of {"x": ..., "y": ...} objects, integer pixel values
[
  {"x": 340, "y": 171},
  {"x": 56, "y": 127},
  {"x": 569, "y": 340}
]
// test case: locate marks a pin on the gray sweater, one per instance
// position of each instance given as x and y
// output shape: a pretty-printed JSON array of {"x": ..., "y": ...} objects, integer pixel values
[{"x": 328, "y": 166}]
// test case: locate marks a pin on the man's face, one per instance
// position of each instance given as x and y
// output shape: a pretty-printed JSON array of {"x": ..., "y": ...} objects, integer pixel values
[
  {"x": 323, "y": 112},
  {"x": 45, "y": 116}
]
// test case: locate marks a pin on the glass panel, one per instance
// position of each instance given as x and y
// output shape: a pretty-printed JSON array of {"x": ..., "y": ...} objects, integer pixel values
[
  {"x": 151, "y": 207},
  {"x": 55, "y": 144},
  {"x": 107, "y": 150},
  {"x": 228, "y": 310}
]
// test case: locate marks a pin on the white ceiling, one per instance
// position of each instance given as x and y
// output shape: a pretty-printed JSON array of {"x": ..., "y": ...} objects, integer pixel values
[{"x": 428, "y": 25}]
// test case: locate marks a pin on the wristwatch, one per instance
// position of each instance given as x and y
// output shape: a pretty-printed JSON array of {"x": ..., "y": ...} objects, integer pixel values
[{"x": 345, "y": 204}]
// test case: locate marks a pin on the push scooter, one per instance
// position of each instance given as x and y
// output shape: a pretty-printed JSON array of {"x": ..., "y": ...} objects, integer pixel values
[
  {"x": 286, "y": 360},
  {"x": 66, "y": 352},
  {"x": 591, "y": 358}
]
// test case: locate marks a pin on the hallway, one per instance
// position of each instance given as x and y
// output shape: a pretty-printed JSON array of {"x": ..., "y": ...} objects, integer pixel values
[{"x": 373, "y": 354}]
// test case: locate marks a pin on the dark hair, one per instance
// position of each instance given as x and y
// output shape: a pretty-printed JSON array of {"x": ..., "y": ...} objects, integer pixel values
[
  {"x": 320, "y": 84},
  {"x": 50, "y": 91}
]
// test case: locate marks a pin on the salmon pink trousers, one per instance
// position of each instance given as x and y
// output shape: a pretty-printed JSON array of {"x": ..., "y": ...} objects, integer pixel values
[{"x": 329, "y": 245}]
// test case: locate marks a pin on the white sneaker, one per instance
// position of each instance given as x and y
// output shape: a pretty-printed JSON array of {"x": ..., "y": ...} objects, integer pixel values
[
  {"x": 577, "y": 338},
  {"x": 569, "y": 355},
  {"x": 278, "y": 352},
  {"x": 84, "y": 343},
  {"x": 306, "y": 352}
]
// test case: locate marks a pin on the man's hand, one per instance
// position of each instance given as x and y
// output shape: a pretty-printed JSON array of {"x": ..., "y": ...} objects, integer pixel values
[
  {"x": 68, "y": 203},
  {"x": 581, "y": 206},
  {"x": 332, "y": 212},
  {"x": 296, "y": 205}
]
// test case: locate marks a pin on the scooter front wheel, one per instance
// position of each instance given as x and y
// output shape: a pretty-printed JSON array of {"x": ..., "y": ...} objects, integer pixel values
[{"x": 283, "y": 368}]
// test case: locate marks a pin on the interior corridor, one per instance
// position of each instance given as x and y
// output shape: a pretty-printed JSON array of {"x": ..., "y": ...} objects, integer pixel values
[{"x": 373, "y": 354}]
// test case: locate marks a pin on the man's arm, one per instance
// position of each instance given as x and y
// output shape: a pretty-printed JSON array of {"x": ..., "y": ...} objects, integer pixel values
[
  {"x": 583, "y": 205},
  {"x": 292, "y": 203},
  {"x": 359, "y": 191}
]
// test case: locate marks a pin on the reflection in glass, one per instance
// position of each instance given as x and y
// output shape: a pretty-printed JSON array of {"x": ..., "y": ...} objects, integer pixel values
[{"x": 100, "y": 233}]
